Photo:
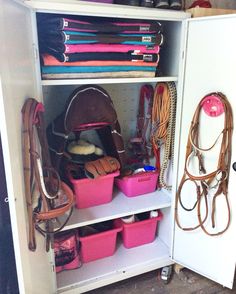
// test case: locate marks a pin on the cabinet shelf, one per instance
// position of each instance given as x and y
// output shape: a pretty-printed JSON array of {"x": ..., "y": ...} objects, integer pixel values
[
  {"x": 120, "y": 206},
  {"x": 104, "y": 10},
  {"x": 123, "y": 264},
  {"x": 107, "y": 81}
]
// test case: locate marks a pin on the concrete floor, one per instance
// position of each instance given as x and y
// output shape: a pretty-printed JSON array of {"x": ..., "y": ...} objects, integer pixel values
[{"x": 186, "y": 282}]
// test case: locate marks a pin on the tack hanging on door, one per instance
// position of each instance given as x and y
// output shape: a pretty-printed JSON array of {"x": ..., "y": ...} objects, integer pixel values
[{"x": 209, "y": 185}]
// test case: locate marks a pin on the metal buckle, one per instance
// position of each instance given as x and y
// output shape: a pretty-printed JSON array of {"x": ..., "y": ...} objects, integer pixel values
[{"x": 221, "y": 175}]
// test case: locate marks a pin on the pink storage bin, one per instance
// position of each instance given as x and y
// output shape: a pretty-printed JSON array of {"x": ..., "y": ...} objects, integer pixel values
[
  {"x": 66, "y": 251},
  {"x": 99, "y": 245},
  {"x": 139, "y": 232},
  {"x": 71, "y": 265},
  {"x": 138, "y": 184},
  {"x": 92, "y": 192}
]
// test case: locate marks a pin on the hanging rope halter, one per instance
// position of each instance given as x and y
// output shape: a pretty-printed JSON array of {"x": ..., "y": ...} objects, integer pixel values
[
  {"x": 46, "y": 196},
  {"x": 218, "y": 179},
  {"x": 140, "y": 145},
  {"x": 163, "y": 127}
]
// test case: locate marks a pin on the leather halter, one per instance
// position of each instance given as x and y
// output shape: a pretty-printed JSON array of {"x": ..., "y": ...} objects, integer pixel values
[
  {"x": 204, "y": 182},
  {"x": 41, "y": 180},
  {"x": 142, "y": 139},
  {"x": 143, "y": 122}
]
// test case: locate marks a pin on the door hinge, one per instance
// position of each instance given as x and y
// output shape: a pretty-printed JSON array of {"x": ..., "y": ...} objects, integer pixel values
[
  {"x": 53, "y": 268},
  {"x": 35, "y": 52}
]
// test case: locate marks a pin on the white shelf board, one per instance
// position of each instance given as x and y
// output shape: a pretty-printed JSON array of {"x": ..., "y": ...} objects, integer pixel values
[
  {"x": 125, "y": 263},
  {"x": 120, "y": 206},
  {"x": 105, "y": 10},
  {"x": 107, "y": 81}
]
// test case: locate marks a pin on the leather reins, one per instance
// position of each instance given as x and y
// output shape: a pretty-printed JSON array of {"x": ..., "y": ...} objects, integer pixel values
[
  {"x": 43, "y": 186},
  {"x": 217, "y": 179}
]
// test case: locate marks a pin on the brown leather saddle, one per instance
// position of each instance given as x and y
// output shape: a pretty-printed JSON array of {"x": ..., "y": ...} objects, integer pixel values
[{"x": 89, "y": 107}]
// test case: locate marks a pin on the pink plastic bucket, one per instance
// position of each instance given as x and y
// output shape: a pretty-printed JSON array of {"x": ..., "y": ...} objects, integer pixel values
[
  {"x": 71, "y": 265},
  {"x": 92, "y": 192},
  {"x": 99, "y": 245},
  {"x": 138, "y": 184},
  {"x": 140, "y": 232}
]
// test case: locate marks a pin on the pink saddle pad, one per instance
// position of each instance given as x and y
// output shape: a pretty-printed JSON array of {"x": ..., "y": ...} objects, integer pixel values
[{"x": 110, "y": 48}]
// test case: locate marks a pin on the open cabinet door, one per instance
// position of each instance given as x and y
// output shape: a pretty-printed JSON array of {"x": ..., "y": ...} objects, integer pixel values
[
  {"x": 210, "y": 67},
  {"x": 17, "y": 83}
]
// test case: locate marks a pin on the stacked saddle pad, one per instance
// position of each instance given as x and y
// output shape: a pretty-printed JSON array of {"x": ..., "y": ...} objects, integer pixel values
[{"x": 74, "y": 48}]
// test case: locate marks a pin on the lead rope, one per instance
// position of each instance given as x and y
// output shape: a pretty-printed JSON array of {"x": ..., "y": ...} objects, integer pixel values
[{"x": 163, "y": 128}]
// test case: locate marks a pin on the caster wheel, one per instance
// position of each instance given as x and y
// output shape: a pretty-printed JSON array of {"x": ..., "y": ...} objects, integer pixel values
[{"x": 166, "y": 274}]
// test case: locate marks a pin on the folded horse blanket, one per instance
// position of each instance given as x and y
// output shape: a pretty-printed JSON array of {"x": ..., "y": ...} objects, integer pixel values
[
  {"x": 93, "y": 69},
  {"x": 118, "y": 74},
  {"x": 65, "y": 48},
  {"x": 71, "y": 37},
  {"x": 61, "y": 23},
  {"x": 51, "y": 60}
]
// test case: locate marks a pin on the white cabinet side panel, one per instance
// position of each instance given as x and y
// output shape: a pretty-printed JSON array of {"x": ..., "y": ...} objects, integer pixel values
[
  {"x": 210, "y": 66},
  {"x": 17, "y": 78}
]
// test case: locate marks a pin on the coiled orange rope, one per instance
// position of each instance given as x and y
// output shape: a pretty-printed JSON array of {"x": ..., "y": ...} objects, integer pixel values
[{"x": 163, "y": 120}]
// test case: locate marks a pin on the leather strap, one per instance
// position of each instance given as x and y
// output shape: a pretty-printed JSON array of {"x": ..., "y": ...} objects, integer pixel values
[
  {"x": 42, "y": 182},
  {"x": 102, "y": 167},
  {"x": 204, "y": 182}
]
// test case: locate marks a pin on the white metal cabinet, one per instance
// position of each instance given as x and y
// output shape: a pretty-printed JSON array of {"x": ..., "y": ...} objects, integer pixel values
[
  {"x": 20, "y": 80},
  {"x": 210, "y": 67}
]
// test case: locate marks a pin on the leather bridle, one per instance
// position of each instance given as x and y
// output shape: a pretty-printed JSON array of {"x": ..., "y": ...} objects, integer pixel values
[
  {"x": 217, "y": 179},
  {"x": 44, "y": 190}
]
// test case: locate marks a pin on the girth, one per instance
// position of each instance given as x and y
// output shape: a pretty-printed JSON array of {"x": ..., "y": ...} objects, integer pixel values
[
  {"x": 217, "y": 179},
  {"x": 46, "y": 196}
]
